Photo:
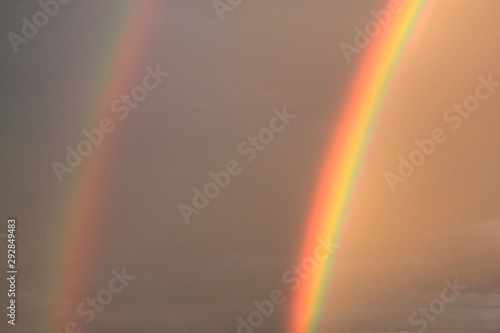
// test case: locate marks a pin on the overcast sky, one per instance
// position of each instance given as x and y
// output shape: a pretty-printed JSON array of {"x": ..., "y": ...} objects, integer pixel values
[{"x": 226, "y": 76}]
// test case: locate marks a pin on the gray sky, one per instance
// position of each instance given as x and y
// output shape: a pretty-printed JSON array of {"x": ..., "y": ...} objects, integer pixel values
[{"x": 226, "y": 77}]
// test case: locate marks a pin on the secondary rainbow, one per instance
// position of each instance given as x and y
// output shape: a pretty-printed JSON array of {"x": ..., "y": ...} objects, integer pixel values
[
  {"x": 345, "y": 153},
  {"x": 106, "y": 70}
]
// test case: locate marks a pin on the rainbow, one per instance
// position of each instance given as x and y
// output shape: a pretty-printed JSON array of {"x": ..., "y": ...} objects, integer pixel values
[
  {"x": 108, "y": 69},
  {"x": 347, "y": 149}
]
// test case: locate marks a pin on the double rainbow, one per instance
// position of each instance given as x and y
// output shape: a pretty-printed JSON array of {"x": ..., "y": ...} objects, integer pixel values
[
  {"x": 119, "y": 59},
  {"x": 345, "y": 155}
]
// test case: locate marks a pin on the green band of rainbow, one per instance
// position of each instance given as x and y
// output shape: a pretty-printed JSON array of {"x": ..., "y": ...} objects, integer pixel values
[{"x": 346, "y": 153}]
